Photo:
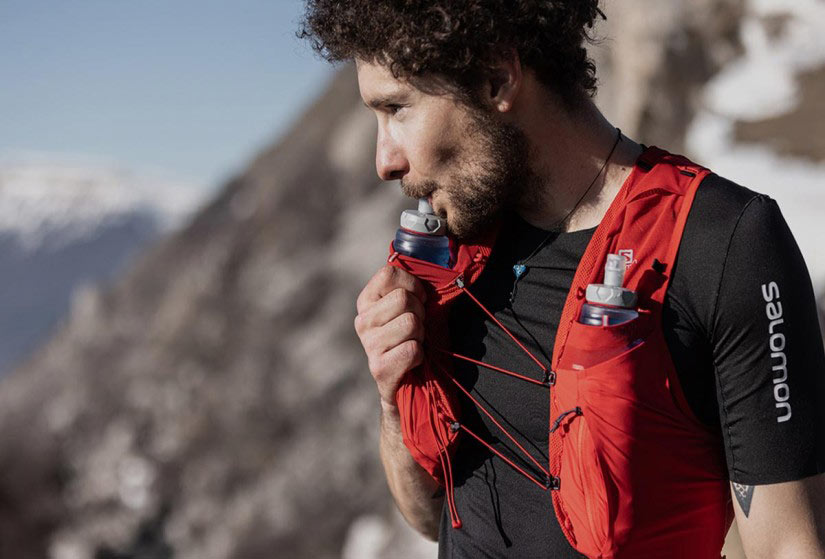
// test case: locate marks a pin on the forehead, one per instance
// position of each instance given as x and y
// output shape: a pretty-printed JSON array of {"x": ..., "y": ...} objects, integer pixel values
[{"x": 376, "y": 82}]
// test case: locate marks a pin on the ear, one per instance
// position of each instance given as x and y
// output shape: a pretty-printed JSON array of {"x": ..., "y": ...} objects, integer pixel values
[{"x": 504, "y": 81}]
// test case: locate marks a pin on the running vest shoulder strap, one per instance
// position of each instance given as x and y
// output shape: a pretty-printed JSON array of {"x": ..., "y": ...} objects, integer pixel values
[
  {"x": 644, "y": 224},
  {"x": 636, "y": 475}
]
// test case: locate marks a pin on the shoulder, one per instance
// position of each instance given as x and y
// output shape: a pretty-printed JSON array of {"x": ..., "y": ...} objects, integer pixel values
[
  {"x": 722, "y": 212},
  {"x": 719, "y": 204}
]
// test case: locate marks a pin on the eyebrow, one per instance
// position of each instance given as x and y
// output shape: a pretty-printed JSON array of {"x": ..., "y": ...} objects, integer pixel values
[{"x": 386, "y": 100}]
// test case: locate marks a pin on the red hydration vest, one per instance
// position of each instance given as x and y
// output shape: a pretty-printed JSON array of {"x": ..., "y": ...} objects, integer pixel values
[{"x": 632, "y": 473}]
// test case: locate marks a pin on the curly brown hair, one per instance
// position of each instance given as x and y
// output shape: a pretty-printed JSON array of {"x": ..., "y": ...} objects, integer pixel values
[{"x": 460, "y": 40}]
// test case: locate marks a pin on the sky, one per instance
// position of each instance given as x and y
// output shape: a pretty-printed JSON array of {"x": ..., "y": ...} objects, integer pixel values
[{"x": 189, "y": 88}]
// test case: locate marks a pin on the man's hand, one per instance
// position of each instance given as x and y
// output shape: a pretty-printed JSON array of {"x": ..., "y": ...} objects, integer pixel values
[
  {"x": 390, "y": 324},
  {"x": 782, "y": 520}
]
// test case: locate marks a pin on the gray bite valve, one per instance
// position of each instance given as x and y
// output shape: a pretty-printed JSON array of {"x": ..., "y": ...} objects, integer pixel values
[
  {"x": 611, "y": 291},
  {"x": 423, "y": 220}
]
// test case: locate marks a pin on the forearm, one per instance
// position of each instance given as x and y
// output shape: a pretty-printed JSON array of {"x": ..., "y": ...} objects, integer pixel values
[
  {"x": 798, "y": 546},
  {"x": 782, "y": 519},
  {"x": 413, "y": 489}
]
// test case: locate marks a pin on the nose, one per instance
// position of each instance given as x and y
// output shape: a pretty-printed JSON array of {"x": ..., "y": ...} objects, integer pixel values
[{"x": 390, "y": 161}]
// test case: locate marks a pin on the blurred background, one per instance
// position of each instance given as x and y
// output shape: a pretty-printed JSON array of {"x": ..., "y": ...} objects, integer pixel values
[{"x": 188, "y": 210}]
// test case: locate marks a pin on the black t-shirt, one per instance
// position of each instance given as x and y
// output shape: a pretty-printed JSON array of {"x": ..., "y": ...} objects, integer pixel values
[{"x": 740, "y": 296}]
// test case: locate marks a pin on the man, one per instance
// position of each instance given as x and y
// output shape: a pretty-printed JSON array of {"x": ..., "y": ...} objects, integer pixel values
[{"x": 485, "y": 108}]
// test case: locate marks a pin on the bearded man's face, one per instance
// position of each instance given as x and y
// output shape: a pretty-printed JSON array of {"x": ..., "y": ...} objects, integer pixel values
[{"x": 470, "y": 165}]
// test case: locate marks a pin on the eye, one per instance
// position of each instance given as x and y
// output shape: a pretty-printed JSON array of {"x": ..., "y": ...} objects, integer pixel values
[{"x": 394, "y": 108}]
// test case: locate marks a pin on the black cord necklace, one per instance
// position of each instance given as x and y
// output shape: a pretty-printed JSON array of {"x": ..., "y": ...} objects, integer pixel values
[{"x": 520, "y": 267}]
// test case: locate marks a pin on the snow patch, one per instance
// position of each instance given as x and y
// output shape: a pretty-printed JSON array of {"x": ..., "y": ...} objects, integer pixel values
[
  {"x": 762, "y": 82},
  {"x": 760, "y": 85},
  {"x": 42, "y": 195}
]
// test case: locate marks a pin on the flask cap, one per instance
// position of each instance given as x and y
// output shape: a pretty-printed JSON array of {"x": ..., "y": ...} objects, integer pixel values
[
  {"x": 611, "y": 291},
  {"x": 423, "y": 220}
]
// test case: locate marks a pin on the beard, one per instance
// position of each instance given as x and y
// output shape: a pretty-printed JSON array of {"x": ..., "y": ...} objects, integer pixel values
[{"x": 495, "y": 178}]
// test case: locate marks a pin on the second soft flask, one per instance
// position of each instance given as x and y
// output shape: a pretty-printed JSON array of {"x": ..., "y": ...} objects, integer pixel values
[
  {"x": 607, "y": 304},
  {"x": 423, "y": 235}
]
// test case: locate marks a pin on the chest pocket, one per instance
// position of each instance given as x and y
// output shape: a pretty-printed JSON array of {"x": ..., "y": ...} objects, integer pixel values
[{"x": 612, "y": 386}]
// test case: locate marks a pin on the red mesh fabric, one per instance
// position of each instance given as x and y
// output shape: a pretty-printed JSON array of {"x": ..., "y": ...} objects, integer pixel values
[
  {"x": 640, "y": 476},
  {"x": 426, "y": 398}
]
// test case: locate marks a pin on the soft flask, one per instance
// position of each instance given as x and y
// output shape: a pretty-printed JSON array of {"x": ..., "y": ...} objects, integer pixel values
[{"x": 423, "y": 235}]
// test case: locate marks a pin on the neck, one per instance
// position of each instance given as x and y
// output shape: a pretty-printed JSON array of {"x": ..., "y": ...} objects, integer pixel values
[{"x": 567, "y": 156}]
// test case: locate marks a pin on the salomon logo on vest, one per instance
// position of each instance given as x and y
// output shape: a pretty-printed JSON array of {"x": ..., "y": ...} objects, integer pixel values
[
  {"x": 627, "y": 254},
  {"x": 776, "y": 342}
]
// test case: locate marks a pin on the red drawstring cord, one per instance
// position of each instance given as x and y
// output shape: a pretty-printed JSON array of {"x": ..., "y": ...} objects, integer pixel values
[
  {"x": 493, "y": 367},
  {"x": 460, "y": 283},
  {"x": 500, "y": 455},
  {"x": 497, "y": 424},
  {"x": 444, "y": 455}
]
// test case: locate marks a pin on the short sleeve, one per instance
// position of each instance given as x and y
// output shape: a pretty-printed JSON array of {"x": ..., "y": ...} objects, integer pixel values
[{"x": 768, "y": 353}]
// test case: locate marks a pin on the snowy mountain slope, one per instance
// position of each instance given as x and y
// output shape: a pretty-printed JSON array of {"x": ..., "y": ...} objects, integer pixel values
[
  {"x": 42, "y": 195},
  {"x": 68, "y": 224}
]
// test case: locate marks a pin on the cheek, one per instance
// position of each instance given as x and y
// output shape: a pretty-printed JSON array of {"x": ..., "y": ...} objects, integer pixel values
[
  {"x": 444, "y": 154},
  {"x": 433, "y": 159},
  {"x": 440, "y": 142}
]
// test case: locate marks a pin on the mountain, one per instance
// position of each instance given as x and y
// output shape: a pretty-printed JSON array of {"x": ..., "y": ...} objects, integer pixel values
[
  {"x": 68, "y": 225},
  {"x": 214, "y": 401}
]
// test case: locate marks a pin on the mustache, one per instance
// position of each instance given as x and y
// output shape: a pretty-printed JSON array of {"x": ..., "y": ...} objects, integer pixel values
[{"x": 419, "y": 190}]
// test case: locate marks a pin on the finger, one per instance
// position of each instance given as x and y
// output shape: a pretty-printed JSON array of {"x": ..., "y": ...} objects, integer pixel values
[
  {"x": 386, "y": 280},
  {"x": 387, "y": 308},
  {"x": 405, "y": 327},
  {"x": 393, "y": 364}
]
